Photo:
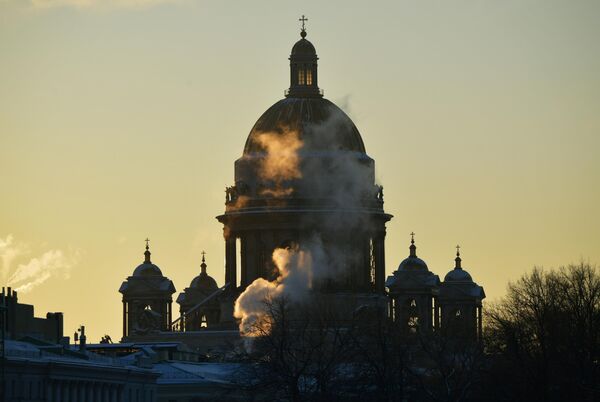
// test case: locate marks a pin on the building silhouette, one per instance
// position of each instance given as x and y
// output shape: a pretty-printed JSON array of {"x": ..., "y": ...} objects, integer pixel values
[
  {"x": 147, "y": 299},
  {"x": 327, "y": 194}
]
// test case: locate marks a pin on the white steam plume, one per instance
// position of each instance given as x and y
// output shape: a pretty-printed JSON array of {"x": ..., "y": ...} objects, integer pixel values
[
  {"x": 343, "y": 177},
  {"x": 281, "y": 162},
  {"x": 9, "y": 250},
  {"x": 30, "y": 274},
  {"x": 296, "y": 268}
]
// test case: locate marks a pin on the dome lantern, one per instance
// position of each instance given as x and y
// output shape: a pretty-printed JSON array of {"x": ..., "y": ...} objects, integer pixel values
[
  {"x": 303, "y": 68},
  {"x": 457, "y": 260}
]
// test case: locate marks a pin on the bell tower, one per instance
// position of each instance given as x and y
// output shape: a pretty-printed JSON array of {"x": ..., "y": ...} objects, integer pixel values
[
  {"x": 460, "y": 303},
  {"x": 147, "y": 299}
]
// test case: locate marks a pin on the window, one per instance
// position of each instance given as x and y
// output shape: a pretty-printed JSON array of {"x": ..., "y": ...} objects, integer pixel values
[
  {"x": 372, "y": 262},
  {"x": 301, "y": 78},
  {"x": 308, "y": 77},
  {"x": 413, "y": 324}
]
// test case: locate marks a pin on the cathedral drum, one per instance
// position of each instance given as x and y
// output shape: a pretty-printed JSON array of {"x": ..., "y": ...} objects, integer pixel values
[{"x": 305, "y": 180}]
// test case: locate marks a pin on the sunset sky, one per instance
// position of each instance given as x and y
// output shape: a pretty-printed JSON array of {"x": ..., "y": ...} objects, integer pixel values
[{"x": 121, "y": 120}]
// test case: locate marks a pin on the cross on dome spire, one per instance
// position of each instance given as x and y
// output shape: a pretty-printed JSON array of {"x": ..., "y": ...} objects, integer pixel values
[
  {"x": 457, "y": 260},
  {"x": 303, "y": 20},
  {"x": 203, "y": 265},
  {"x": 147, "y": 252}
]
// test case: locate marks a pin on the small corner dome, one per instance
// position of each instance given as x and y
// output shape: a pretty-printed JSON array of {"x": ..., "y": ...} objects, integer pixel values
[
  {"x": 304, "y": 48},
  {"x": 204, "y": 282},
  {"x": 458, "y": 275},
  {"x": 147, "y": 269},
  {"x": 413, "y": 263}
]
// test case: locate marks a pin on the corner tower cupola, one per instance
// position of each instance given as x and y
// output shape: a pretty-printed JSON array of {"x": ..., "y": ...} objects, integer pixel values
[{"x": 303, "y": 68}]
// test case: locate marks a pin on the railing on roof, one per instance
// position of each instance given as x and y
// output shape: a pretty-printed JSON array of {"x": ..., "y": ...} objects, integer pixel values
[
  {"x": 179, "y": 324},
  {"x": 286, "y": 92}
]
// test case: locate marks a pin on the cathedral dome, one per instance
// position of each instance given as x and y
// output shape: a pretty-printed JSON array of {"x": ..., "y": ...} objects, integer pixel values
[
  {"x": 304, "y": 48},
  {"x": 204, "y": 281},
  {"x": 147, "y": 268},
  {"x": 458, "y": 274},
  {"x": 320, "y": 124},
  {"x": 412, "y": 262}
]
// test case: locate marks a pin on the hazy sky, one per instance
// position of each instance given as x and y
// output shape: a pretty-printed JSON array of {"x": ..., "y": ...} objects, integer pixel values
[{"x": 121, "y": 119}]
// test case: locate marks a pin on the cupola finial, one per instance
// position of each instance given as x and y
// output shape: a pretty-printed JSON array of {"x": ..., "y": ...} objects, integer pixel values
[
  {"x": 413, "y": 248},
  {"x": 457, "y": 259},
  {"x": 303, "y": 31},
  {"x": 147, "y": 252},
  {"x": 203, "y": 265}
]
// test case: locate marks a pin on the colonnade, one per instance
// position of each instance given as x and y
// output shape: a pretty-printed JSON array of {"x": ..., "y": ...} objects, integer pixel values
[{"x": 59, "y": 390}]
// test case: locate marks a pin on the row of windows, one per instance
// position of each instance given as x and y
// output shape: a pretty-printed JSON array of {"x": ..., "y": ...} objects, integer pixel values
[{"x": 305, "y": 77}]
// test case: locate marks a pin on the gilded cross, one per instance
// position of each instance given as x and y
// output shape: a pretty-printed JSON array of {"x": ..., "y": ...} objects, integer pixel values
[
  {"x": 412, "y": 236},
  {"x": 147, "y": 242},
  {"x": 303, "y": 19}
]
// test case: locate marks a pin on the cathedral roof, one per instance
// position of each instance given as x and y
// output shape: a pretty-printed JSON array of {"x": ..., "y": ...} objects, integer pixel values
[
  {"x": 202, "y": 286},
  {"x": 147, "y": 268},
  {"x": 458, "y": 283},
  {"x": 412, "y": 273},
  {"x": 304, "y": 48},
  {"x": 147, "y": 278},
  {"x": 412, "y": 262},
  {"x": 458, "y": 274},
  {"x": 320, "y": 124},
  {"x": 204, "y": 281}
]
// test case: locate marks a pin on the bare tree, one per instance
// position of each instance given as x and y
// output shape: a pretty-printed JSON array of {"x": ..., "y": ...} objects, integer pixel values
[
  {"x": 545, "y": 336},
  {"x": 297, "y": 351}
]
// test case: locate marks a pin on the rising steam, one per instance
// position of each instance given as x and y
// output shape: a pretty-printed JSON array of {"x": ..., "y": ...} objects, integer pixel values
[
  {"x": 28, "y": 275},
  {"x": 343, "y": 177},
  {"x": 295, "y": 270},
  {"x": 281, "y": 162}
]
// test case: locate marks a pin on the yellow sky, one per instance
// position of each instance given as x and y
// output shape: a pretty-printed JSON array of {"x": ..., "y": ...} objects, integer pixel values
[{"x": 121, "y": 119}]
